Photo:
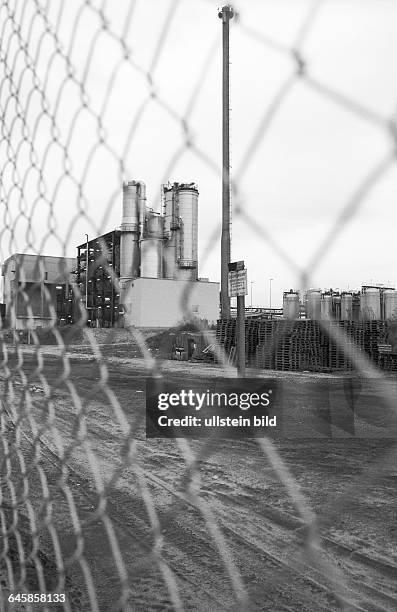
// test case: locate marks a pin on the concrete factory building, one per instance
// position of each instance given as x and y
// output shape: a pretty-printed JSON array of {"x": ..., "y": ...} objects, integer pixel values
[
  {"x": 146, "y": 273},
  {"x": 36, "y": 288}
]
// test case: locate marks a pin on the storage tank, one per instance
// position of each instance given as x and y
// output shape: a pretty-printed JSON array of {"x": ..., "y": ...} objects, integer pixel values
[
  {"x": 129, "y": 248},
  {"x": 326, "y": 307},
  {"x": 170, "y": 208},
  {"x": 291, "y": 306},
  {"x": 313, "y": 304},
  {"x": 336, "y": 306},
  {"x": 370, "y": 304},
  {"x": 151, "y": 258},
  {"x": 356, "y": 306},
  {"x": 188, "y": 216},
  {"x": 171, "y": 230},
  {"x": 180, "y": 252},
  {"x": 151, "y": 246},
  {"x": 170, "y": 269},
  {"x": 346, "y": 306},
  {"x": 390, "y": 304}
]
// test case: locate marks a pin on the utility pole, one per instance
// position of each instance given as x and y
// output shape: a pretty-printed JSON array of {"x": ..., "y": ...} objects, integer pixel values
[{"x": 226, "y": 14}]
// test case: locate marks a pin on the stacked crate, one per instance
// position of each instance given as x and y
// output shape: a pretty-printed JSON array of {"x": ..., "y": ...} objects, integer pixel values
[
  {"x": 388, "y": 362},
  {"x": 285, "y": 357},
  {"x": 305, "y": 344},
  {"x": 353, "y": 334},
  {"x": 375, "y": 332},
  {"x": 226, "y": 334},
  {"x": 267, "y": 341},
  {"x": 251, "y": 340},
  {"x": 301, "y": 346}
]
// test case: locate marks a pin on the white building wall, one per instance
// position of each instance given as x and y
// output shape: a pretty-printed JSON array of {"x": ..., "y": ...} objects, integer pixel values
[{"x": 158, "y": 302}]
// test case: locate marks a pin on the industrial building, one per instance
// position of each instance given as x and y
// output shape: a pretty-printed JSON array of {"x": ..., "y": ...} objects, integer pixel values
[
  {"x": 146, "y": 273},
  {"x": 37, "y": 288}
]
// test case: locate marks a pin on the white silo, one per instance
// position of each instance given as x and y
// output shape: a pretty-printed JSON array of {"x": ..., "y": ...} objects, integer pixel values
[
  {"x": 370, "y": 304},
  {"x": 291, "y": 306},
  {"x": 151, "y": 246},
  {"x": 129, "y": 247},
  {"x": 336, "y": 306},
  {"x": 171, "y": 229},
  {"x": 313, "y": 304},
  {"x": 346, "y": 306},
  {"x": 180, "y": 231},
  {"x": 390, "y": 304},
  {"x": 326, "y": 307},
  {"x": 188, "y": 244}
]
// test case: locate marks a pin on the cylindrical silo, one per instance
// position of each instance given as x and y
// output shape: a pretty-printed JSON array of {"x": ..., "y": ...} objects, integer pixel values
[
  {"x": 170, "y": 269},
  {"x": 151, "y": 246},
  {"x": 313, "y": 304},
  {"x": 390, "y": 304},
  {"x": 171, "y": 208},
  {"x": 151, "y": 253},
  {"x": 370, "y": 304},
  {"x": 356, "y": 306},
  {"x": 336, "y": 307},
  {"x": 129, "y": 248},
  {"x": 291, "y": 306},
  {"x": 346, "y": 306},
  {"x": 326, "y": 307},
  {"x": 188, "y": 244},
  {"x": 171, "y": 229}
]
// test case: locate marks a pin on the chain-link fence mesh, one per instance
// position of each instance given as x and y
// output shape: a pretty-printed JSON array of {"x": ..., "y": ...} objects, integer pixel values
[{"x": 89, "y": 508}]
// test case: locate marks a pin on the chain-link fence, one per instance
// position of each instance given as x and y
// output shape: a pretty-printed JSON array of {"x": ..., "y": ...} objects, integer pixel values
[{"x": 93, "y": 515}]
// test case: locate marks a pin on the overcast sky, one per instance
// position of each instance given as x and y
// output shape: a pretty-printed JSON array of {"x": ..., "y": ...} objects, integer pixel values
[{"x": 308, "y": 163}]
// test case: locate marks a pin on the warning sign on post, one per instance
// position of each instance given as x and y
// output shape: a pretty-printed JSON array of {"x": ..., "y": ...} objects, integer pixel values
[{"x": 238, "y": 283}]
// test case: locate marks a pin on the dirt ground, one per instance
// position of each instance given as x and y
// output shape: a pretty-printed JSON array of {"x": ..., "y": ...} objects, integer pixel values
[{"x": 349, "y": 482}]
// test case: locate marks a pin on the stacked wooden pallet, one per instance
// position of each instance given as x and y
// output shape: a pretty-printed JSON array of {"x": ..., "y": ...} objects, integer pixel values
[
  {"x": 305, "y": 344},
  {"x": 301, "y": 346},
  {"x": 251, "y": 340},
  {"x": 388, "y": 362},
  {"x": 226, "y": 334},
  {"x": 267, "y": 343},
  {"x": 375, "y": 332},
  {"x": 351, "y": 336}
]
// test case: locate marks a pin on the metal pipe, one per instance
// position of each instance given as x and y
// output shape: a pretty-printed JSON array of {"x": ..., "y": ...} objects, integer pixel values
[
  {"x": 142, "y": 206},
  {"x": 226, "y": 14}
]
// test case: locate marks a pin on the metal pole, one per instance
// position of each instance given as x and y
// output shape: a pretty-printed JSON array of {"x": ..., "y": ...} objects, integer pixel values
[
  {"x": 241, "y": 335},
  {"x": 86, "y": 272},
  {"x": 270, "y": 292},
  {"x": 252, "y": 282},
  {"x": 226, "y": 15}
]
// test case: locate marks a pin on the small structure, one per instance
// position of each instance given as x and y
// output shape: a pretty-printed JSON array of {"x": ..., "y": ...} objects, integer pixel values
[{"x": 37, "y": 288}]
